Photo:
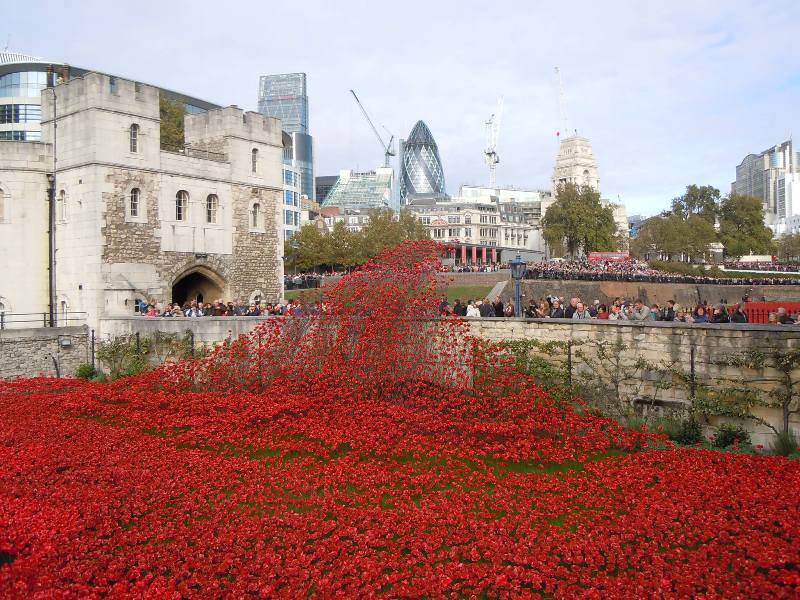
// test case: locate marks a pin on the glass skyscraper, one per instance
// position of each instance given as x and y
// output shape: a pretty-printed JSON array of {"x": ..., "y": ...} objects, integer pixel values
[
  {"x": 284, "y": 97},
  {"x": 421, "y": 170}
]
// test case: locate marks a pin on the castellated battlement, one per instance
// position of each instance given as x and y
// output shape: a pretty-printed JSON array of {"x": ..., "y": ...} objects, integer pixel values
[
  {"x": 231, "y": 122},
  {"x": 98, "y": 91}
]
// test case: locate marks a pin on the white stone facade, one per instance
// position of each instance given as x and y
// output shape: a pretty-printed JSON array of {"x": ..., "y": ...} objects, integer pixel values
[
  {"x": 575, "y": 163},
  {"x": 133, "y": 221}
]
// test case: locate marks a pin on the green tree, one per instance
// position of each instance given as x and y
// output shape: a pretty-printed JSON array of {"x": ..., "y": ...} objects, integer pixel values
[
  {"x": 172, "y": 133},
  {"x": 789, "y": 247},
  {"x": 342, "y": 247},
  {"x": 311, "y": 249},
  {"x": 741, "y": 226},
  {"x": 577, "y": 221},
  {"x": 700, "y": 234},
  {"x": 661, "y": 237},
  {"x": 702, "y": 201}
]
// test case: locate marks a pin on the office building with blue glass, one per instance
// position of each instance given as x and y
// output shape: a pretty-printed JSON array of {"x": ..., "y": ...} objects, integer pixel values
[
  {"x": 284, "y": 97},
  {"x": 22, "y": 79},
  {"x": 421, "y": 172}
]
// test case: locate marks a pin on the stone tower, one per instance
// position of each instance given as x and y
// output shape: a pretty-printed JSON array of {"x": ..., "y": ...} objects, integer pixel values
[{"x": 575, "y": 163}]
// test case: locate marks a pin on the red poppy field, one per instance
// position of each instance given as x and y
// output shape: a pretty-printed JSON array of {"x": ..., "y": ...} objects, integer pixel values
[{"x": 356, "y": 453}]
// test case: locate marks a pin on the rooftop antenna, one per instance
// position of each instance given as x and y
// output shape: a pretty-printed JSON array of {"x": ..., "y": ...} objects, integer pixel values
[
  {"x": 492, "y": 132},
  {"x": 387, "y": 148},
  {"x": 562, "y": 106}
]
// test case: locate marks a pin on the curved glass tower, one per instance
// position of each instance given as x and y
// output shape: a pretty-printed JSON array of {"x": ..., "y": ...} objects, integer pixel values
[{"x": 421, "y": 170}]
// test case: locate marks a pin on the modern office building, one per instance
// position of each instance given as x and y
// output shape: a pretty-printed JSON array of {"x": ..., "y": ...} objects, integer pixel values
[
  {"x": 22, "y": 79},
  {"x": 292, "y": 189},
  {"x": 284, "y": 97},
  {"x": 323, "y": 185},
  {"x": 575, "y": 163},
  {"x": 362, "y": 191},
  {"x": 106, "y": 218},
  {"x": 421, "y": 170},
  {"x": 773, "y": 176}
]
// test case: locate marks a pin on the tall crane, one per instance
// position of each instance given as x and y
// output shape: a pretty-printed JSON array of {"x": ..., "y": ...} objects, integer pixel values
[
  {"x": 562, "y": 106},
  {"x": 492, "y": 131},
  {"x": 388, "y": 152}
]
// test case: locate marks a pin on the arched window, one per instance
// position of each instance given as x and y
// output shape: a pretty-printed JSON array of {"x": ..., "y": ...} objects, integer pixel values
[
  {"x": 134, "y": 138},
  {"x": 134, "y": 203},
  {"x": 181, "y": 205},
  {"x": 255, "y": 214},
  {"x": 212, "y": 206},
  {"x": 254, "y": 159},
  {"x": 61, "y": 206}
]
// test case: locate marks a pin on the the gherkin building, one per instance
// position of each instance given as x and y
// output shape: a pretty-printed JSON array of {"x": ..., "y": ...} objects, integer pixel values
[{"x": 421, "y": 168}]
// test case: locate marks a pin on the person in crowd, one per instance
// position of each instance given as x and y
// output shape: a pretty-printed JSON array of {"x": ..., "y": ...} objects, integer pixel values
[
  {"x": 253, "y": 311},
  {"x": 557, "y": 312},
  {"x": 783, "y": 316},
  {"x": 699, "y": 315},
  {"x": 194, "y": 310},
  {"x": 573, "y": 306},
  {"x": 508, "y": 310},
  {"x": 772, "y": 319},
  {"x": 616, "y": 314},
  {"x": 738, "y": 315},
  {"x": 640, "y": 312},
  {"x": 459, "y": 309},
  {"x": 499, "y": 309},
  {"x": 472, "y": 310},
  {"x": 151, "y": 310},
  {"x": 594, "y": 307},
  {"x": 655, "y": 312},
  {"x": 581, "y": 312},
  {"x": 668, "y": 314},
  {"x": 485, "y": 308},
  {"x": 602, "y": 313},
  {"x": 443, "y": 304},
  {"x": 682, "y": 316},
  {"x": 720, "y": 314}
]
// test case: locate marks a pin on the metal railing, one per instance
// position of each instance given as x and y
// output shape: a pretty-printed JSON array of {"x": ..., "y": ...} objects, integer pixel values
[{"x": 9, "y": 320}]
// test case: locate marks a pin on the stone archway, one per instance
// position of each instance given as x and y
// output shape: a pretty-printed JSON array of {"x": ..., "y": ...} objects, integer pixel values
[{"x": 198, "y": 283}]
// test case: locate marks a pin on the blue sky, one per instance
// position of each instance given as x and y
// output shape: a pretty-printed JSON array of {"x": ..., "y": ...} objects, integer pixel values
[{"x": 669, "y": 93}]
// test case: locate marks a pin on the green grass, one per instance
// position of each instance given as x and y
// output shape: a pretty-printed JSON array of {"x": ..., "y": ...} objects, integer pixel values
[{"x": 467, "y": 292}]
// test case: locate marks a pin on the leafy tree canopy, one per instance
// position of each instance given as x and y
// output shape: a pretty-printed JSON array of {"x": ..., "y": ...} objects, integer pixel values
[
  {"x": 171, "y": 112},
  {"x": 741, "y": 226},
  {"x": 702, "y": 201},
  {"x": 577, "y": 221}
]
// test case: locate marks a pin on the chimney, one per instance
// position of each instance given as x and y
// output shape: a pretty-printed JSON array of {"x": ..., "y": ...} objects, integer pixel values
[{"x": 50, "y": 76}]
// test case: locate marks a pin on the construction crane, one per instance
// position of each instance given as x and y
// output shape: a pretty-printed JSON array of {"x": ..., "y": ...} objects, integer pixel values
[
  {"x": 562, "y": 106},
  {"x": 388, "y": 152},
  {"x": 492, "y": 131}
]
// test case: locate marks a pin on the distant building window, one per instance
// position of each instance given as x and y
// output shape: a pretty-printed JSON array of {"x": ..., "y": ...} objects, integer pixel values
[
  {"x": 112, "y": 85},
  {"x": 61, "y": 206},
  {"x": 467, "y": 219},
  {"x": 135, "y": 201},
  {"x": 254, "y": 160},
  {"x": 20, "y": 113},
  {"x": 134, "y": 134},
  {"x": 255, "y": 216},
  {"x": 212, "y": 206},
  {"x": 181, "y": 205}
]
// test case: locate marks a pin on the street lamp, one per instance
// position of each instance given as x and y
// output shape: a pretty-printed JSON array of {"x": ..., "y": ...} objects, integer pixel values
[
  {"x": 517, "y": 273},
  {"x": 295, "y": 248}
]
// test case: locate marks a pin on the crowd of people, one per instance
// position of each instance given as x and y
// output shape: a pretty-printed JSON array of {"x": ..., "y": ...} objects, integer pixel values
[
  {"x": 762, "y": 266},
  {"x": 219, "y": 308},
  {"x": 633, "y": 271},
  {"x": 620, "y": 309}
]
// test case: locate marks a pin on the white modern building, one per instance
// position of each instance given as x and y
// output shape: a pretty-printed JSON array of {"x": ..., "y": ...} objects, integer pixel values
[{"x": 773, "y": 176}]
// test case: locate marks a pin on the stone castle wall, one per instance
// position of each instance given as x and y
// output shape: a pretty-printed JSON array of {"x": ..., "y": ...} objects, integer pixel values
[{"x": 37, "y": 351}]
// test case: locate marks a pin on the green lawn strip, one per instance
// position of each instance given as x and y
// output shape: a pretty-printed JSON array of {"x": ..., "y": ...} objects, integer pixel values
[{"x": 466, "y": 292}]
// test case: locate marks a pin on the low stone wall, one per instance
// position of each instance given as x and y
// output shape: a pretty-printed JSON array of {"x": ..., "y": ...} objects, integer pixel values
[
  {"x": 670, "y": 347},
  {"x": 207, "y": 330},
  {"x": 43, "y": 351}
]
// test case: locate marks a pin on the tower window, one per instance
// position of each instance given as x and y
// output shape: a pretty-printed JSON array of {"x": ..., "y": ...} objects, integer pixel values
[
  {"x": 212, "y": 207},
  {"x": 134, "y": 137},
  {"x": 255, "y": 216},
  {"x": 61, "y": 206},
  {"x": 133, "y": 207},
  {"x": 181, "y": 205},
  {"x": 254, "y": 160}
]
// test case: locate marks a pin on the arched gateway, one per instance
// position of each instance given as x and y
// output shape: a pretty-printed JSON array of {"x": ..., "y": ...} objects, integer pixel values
[{"x": 198, "y": 283}]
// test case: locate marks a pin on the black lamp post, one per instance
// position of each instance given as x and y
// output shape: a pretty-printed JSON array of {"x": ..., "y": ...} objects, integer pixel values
[
  {"x": 517, "y": 273},
  {"x": 295, "y": 250}
]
